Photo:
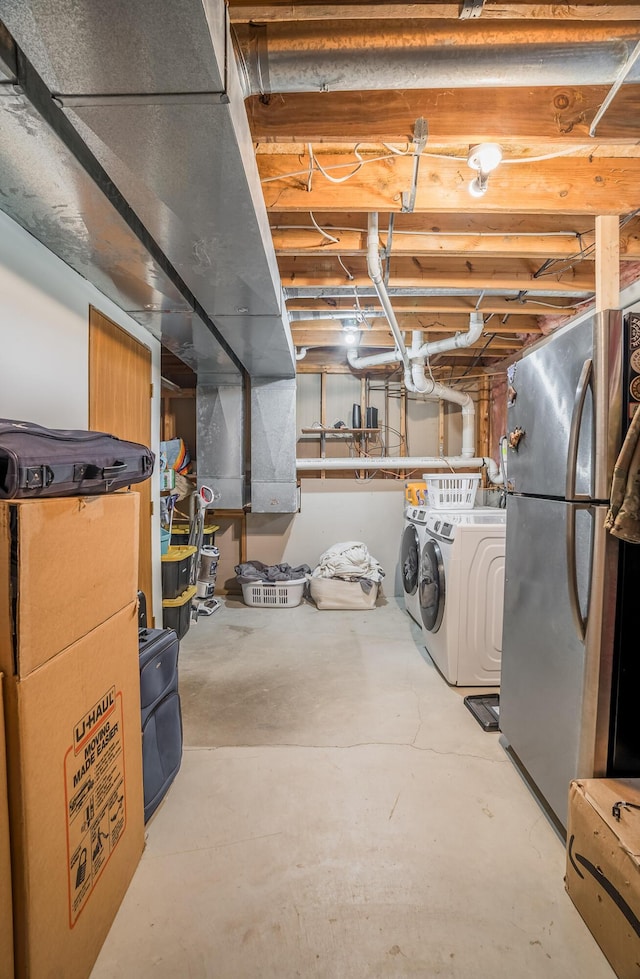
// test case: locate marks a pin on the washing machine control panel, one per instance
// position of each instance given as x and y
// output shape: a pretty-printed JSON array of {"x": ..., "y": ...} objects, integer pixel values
[{"x": 444, "y": 528}]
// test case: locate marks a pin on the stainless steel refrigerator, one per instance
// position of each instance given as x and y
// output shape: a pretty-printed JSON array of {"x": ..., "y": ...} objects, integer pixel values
[{"x": 565, "y": 422}]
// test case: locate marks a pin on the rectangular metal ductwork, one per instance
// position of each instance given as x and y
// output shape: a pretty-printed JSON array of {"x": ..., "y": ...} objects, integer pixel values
[
  {"x": 48, "y": 192},
  {"x": 220, "y": 424},
  {"x": 273, "y": 446},
  {"x": 158, "y": 101}
]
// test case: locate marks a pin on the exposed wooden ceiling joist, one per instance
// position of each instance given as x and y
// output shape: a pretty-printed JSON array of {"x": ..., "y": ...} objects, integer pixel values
[
  {"x": 573, "y": 186},
  {"x": 481, "y": 273},
  {"x": 452, "y": 323},
  {"x": 560, "y": 114},
  {"x": 524, "y": 252},
  {"x": 243, "y": 11},
  {"x": 293, "y": 241}
]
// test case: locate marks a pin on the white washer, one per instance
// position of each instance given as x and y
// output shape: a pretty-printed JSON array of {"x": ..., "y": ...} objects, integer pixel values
[
  {"x": 461, "y": 593},
  {"x": 411, "y": 545}
]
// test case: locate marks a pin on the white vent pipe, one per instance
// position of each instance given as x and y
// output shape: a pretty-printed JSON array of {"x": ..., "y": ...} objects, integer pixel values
[
  {"x": 374, "y": 267},
  {"x": 406, "y": 462},
  {"x": 301, "y": 353},
  {"x": 416, "y": 380}
]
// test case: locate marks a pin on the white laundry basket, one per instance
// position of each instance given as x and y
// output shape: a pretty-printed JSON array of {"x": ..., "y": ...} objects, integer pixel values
[
  {"x": 449, "y": 492},
  {"x": 279, "y": 594}
]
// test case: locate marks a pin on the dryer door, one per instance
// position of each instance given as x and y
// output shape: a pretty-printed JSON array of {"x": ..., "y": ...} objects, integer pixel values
[
  {"x": 410, "y": 559},
  {"x": 432, "y": 586}
]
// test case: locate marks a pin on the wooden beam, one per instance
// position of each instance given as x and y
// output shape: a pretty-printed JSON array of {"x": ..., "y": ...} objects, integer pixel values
[
  {"x": 243, "y": 11},
  {"x": 580, "y": 185},
  {"x": 453, "y": 223},
  {"x": 451, "y": 323},
  {"x": 482, "y": 273},
  {"x": 333, "y": 338},
  {"x": 406, "y": 305},
  {"x": 607, "y": 263},
  {"x": 293, "y": 241},
  {"x": 561, "y": 114}
]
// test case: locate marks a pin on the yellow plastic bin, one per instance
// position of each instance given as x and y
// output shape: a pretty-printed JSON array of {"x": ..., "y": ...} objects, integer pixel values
[
  {"x": 180, "y": 535},
  {"x": 176, "y": 612},
  {"x": 176, "y": 570}
]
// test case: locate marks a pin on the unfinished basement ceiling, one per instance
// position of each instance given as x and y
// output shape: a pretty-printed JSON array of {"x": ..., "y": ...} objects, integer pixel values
[{"x": 338, "y": 90}]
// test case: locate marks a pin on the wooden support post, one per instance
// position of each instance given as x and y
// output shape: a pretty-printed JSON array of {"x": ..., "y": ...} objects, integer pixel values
[
  {"x": 363, "y": 414},
  {"x": 442, "y": 422},
  {"x": 323, "y": 416},
  {"x": 386, "y": 416},
  {"x": 483, "y": 413},
  {"x": 403, "y": 425},
  {"x": 607, "y": 262}
]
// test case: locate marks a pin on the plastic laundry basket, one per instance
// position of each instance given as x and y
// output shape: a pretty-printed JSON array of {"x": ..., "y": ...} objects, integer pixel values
[
  {"x": 449, "y": 492},
  {"x": 277, "y": 594}
]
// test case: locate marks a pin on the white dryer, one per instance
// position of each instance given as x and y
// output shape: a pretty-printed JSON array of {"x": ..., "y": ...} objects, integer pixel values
[
  {"x": 410, "y": 553},
  {"x": 461, "y": 593}
]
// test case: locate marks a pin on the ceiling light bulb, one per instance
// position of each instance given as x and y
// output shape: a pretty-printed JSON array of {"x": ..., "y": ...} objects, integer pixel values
[
  {"x": 478, "y": 187},
  {"x": 485, "y": 157},
  {"x": 350, "y": 337}
]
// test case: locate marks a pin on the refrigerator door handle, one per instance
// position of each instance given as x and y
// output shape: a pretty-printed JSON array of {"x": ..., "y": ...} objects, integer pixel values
[
  {"x": 579, "y": 619},
  {"x": 584, "y": 381}
]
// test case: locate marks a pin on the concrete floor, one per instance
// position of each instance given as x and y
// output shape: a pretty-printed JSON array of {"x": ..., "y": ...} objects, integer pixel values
[{"x": 340, "y": 814}]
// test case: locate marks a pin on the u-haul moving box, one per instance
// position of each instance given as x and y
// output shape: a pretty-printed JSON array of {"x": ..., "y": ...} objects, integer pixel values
[
  {"x": 6, "y": 913},
  {"x": 72, "y": 723}
]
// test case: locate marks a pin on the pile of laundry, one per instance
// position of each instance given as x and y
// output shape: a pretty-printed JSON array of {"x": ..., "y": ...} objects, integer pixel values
[
  {"x": 257, "y": 571},
  {"x": 349, "y": 561}
]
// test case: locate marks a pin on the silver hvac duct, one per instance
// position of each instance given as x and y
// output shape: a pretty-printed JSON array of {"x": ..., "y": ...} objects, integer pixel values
[{"x": 374, "y": 55}]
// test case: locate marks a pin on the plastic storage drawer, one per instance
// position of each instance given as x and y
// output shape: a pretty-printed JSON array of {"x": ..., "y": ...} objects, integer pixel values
[
  {"x": 176, "y": 612},
  {"x": 176, "y": 570}
]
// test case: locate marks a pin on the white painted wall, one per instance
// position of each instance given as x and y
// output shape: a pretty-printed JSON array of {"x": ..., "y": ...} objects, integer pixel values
[
  {"x": 333, "y": 511},
  {"x": 44, "y": 349}
]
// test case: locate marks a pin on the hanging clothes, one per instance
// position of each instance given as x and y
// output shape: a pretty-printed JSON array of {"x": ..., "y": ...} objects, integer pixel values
[{"x": 623, "y": 516}]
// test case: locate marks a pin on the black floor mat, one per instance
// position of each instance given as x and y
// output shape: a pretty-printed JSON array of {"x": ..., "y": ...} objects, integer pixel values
[{"x": 486, "y": 709}]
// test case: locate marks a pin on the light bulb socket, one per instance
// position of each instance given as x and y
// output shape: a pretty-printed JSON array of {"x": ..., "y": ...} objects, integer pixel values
[
  {"x": 478, "y": 186},
  {"x": 485, "y": 157}
]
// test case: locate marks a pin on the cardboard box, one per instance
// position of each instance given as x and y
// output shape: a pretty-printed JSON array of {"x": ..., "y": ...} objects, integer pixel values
[
  {"x": 74, "y": 565},
  {"x": 6, "y": 913},
  {"x": 75, "y": 797},
  {"x": 603, "y": 867}
]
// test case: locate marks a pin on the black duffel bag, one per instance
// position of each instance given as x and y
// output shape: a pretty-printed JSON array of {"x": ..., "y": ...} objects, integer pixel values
[{"x": 38, "y": 461}]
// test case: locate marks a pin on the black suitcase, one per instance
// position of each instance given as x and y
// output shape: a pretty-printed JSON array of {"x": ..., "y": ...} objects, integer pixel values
[
  {"x": 161, "y": 715},
  {"x": 37, "y": 461}
]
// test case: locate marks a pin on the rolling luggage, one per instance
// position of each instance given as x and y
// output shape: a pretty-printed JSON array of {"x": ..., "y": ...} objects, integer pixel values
[
  {"x": 161, "y": 715},
  {"x": 37, "y": 461}
]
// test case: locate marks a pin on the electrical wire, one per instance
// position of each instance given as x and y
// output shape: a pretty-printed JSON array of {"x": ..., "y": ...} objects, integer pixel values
[
  {"x": 349, "y": 275},
  {"x": 324, "y": 233},
  {"x": 363, "y": 161}
]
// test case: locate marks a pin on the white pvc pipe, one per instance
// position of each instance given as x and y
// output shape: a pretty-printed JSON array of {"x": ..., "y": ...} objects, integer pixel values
[
  {"x": 374, "y": 268},
  {"x": 390, "y": 357},
  {"x": 476, "y": 324},
  {"x": 301, "y": 353},
  {"x": 415, "y": 380},
  {"x": 406, "y": 462}
]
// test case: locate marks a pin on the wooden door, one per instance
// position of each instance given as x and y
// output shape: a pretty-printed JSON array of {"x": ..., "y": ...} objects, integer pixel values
[{"x": 120, "y": 403}]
